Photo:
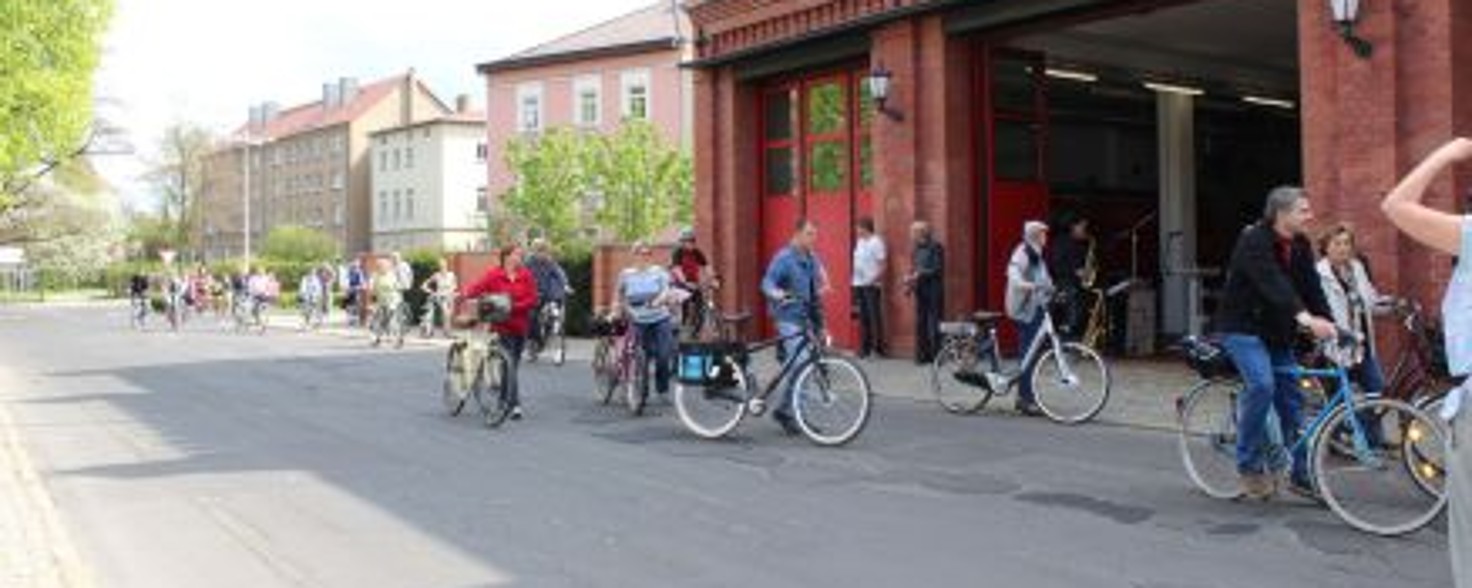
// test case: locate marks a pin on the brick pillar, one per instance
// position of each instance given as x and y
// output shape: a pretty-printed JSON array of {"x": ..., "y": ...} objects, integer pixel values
[
  {"x": 1367, "y": 122},
  {"x": 727, "y": 199},
  {"x": 923, "y": 162}
]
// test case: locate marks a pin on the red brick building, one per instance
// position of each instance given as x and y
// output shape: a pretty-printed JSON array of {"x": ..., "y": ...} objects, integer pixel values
[{"x": 1171, "y": 117}]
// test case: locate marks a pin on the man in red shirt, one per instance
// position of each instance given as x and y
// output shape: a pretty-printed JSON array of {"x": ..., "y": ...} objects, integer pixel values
[{"x": 516, "y": 282}]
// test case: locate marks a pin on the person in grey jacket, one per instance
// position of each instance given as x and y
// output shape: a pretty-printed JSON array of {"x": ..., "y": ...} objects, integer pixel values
[
  {"x": 1029, "y": 290},
  {"x": 1353, "y": 300}
]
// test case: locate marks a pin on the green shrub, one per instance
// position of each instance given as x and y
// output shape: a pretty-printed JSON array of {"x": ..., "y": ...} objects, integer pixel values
[{"x": 579, "y": 267}]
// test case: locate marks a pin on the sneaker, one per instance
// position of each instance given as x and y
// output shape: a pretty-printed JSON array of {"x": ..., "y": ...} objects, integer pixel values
[
  {"x": 516, "y": 413},
  {"x": 1304, "y": 488},
  {"x": 1257, "y": 486},
  {"x": 789, "y": 424},
  {"x": 1028, "y": 409}
]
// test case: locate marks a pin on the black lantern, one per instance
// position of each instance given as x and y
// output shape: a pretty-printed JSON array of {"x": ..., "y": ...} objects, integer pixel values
[
  {"x": 1346, "y": 14},
  {"x": 878, "y": 82}
]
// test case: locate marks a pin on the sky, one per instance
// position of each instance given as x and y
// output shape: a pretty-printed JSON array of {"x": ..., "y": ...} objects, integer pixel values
[{"x": 207, "y": 61}]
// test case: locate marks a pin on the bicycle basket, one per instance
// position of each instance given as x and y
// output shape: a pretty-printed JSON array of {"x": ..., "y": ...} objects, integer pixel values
[
  {"x": 495, "y": 308},
  {"x": 606, "y": 326},
  {"x": 706, "y": 364},
  {"x": 1207, "y": 358}
]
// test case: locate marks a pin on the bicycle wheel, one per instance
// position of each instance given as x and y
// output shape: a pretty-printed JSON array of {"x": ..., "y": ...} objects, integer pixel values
[
  {"x": 958, "y": 376},
  {"x": 831, "y": 401},
  {"x": 490, "y": 388},
  {"x": 636, "y": 382},
  {"x": 605, "y": 371},
  {"x": 455, "y": 389},
  {"x": 713, "y": 411},
  {"x": 1208, "y": 437},
  {"x": 1372, "y": 487},
  {"x": 558, "y": 342},
  {"x": 1072, "y": 384},
  {"x": 1427, "y": 466}
]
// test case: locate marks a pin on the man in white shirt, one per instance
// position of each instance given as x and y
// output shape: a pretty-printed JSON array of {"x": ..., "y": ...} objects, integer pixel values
[
  {"x": 869, "y": 259},
  {"x": 403, "y": 272}
]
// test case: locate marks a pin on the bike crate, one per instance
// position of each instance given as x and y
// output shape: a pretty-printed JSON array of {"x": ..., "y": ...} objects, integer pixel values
[
  {"x": 705, "y": 364},
  {"x": 604, "y": 326},
  {"x": 493, "y": 309},
  {"x": 1208, "y": 358}
]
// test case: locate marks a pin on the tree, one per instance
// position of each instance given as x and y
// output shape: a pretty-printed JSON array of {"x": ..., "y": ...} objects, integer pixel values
[
  {"x": 301, "y": 244},
  {"x": 49, "y": 50},
  {"x": 646, "y": 184},
  {"x": 551, "y": 182},
  {"x": 179, "y": 176}
]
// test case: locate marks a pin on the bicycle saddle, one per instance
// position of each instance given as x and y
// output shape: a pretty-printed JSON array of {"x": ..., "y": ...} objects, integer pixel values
[{"x": 985, "y": 317}]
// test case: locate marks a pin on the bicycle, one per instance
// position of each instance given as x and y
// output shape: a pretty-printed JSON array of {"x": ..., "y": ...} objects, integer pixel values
[
  {"x": 389, "y": 322},
  {"x": 436, "y": 315},
  {"x": 699, "y": 313},
  {"x": 614, "y": 344},
  {"x": 174, "y": 308},
  {"x": 1350, "y": 438},
  {"x": 248, "y": 313},
  {"x": 310, "y": 308},
  {"x": 715, "y": 388},
  {"x": 475, "y": 365},
  {"x": 551, "y": 334},
  {"x": 1070, "y": 381},
  {"x": 138, "y": 311}
]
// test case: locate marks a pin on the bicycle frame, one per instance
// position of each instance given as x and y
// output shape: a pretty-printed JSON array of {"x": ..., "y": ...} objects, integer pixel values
[
  {"x": 1344, "y": 396},
  {"x": 807, "y": 353},
  {"x": 1047, "y": 335}
]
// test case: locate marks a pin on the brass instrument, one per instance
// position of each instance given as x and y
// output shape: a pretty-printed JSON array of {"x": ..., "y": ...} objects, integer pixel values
[{"x": 1090, "y": 270}]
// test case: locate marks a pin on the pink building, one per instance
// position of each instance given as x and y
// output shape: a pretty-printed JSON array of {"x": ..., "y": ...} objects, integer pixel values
[{"x": 626, "y": 68}]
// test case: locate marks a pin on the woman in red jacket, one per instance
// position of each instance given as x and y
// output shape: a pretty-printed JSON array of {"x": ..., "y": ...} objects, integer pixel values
[{"x": 516, "y": 282}]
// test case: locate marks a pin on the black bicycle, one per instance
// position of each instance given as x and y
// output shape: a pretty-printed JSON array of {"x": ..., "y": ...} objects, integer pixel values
[
  {"x": 714, "y": 388},
  {"x": 551, "y": 333}
]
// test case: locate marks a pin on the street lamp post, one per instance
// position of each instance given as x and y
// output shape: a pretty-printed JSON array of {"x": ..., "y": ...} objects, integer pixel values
[{"x": 245, "y": 168}]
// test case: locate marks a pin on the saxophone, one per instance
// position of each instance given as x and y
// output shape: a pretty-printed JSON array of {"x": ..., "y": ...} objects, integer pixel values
[{"x": 1090, "y": 271}]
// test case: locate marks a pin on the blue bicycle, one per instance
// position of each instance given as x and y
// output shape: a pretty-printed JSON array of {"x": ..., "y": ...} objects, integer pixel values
[{"x": 1376, "y": 462}]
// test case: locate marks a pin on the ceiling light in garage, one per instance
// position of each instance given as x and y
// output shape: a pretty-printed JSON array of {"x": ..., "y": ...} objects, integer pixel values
[
  {"x": 1068, "y": 74},
  {"x": 1174, "y": 89},
  {"x": 1272, "y": 102}
]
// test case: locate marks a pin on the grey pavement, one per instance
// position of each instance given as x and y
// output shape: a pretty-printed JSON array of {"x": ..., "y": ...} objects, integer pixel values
[{"x": 209, "y": 459}]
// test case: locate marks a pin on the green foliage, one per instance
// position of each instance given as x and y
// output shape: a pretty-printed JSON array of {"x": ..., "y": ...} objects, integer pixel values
[
  {"x": 300, "y": 244},
  {"x": 633, "y": 181},
  {"x": 579, "y": 268},
  {"x": 552, "y": 181},
  {"x": 180, "y": 179},
  {"x": 646, "y": 184},
  {"x": 48, "y": 52}
]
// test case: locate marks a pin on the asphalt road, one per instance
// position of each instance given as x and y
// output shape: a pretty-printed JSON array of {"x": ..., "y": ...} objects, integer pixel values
[{"x": 209, "y": 459}]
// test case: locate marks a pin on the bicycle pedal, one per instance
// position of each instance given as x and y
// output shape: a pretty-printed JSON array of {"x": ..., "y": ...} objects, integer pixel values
[{"x": 756, "y": 407}]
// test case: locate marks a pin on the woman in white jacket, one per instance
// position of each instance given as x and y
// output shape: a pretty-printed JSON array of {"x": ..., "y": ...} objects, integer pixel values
[{"x": 1353, "y": 300}]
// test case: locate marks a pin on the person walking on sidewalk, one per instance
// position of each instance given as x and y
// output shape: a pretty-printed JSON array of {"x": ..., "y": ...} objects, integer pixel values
[
  {"x": 1029, "y": 291},
  {"x": 516, "y": 282},
  {"x": 1452, "y": 234},
  {"x": 925, "y": 282},
  {"x": 1272, "y": 291},
  {"x": 869, "y": 258},
  {"x": 794, "y": 285}
]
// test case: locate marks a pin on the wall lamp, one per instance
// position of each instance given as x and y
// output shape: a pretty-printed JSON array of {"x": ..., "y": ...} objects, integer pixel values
[
  {"x": 1346, "y": 14},
  {"x": 878, "y": 83}
]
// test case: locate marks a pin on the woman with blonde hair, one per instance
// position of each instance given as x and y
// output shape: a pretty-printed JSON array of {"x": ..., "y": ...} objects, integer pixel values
[{"x": 1353, "y": 299}]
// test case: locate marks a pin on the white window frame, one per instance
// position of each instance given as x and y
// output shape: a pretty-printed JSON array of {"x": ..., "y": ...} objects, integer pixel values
[
  {"x": 409, "y": 204},
  {"x": 582, "y": 85},
  {"x": 524, "y": 93},
  {"x": 631, "y": 79}
]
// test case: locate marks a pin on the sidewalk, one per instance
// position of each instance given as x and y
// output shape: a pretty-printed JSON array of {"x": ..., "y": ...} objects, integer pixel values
[{"x": 1142, "y": 393}]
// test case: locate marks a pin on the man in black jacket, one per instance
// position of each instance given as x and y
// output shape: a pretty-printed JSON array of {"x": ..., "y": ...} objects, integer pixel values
[
  {"x": 926, "y": 283},
  {"x": 1272, "y": 292}
]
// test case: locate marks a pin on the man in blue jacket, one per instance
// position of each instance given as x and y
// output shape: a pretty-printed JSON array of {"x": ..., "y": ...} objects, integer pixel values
[{"x": 794, "y": 285}]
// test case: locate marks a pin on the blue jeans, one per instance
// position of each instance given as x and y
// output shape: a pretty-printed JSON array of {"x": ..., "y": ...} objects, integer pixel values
[
  {"x": 658, "y": 342},
  {"x": 1026, "y": 332},
  {"x": 1369, "y": 375},
  {"x": 790, "y": 349},
  {"x": 1265, "y": 390}
]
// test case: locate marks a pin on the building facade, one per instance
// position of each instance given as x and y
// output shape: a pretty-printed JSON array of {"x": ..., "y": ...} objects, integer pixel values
[
  {"x": 1164, "y": 122},
  {"x": 592, "y": 80},
  {"x": 307, "y": 165},
  {"x": 429, "y": 184}
]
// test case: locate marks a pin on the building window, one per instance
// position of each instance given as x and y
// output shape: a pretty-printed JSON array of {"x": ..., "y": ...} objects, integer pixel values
[
  {"x": 382, "y": 206},
  {"x": 636, "y": 94},
  {"x": 482, "y": 204},
  {"x": 337, "y": 180},
  {"x": 587, "y": 101},
  {"x": 481, "y": 152},
  {"x": 398, "y": 162},
  {"x": 409, "y": 158},
  {"x": 337, "y": 214},
  {"x": 398, "y": 206},
  {"x": 383, "y": 160},
  {"x": 529, "y": 108},
  {"x": 409, "y": 204}
]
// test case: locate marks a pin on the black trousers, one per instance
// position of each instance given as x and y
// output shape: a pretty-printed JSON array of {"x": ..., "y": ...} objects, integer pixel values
[
  {"x": 929, "y": 304},
  {"x": 513, "y": 346},
  {"x": 868, "y": 300}
]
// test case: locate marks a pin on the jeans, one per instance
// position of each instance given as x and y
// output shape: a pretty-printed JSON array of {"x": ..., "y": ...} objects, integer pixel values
[
  {"x": 871, "y": 319},
  {"x": 1265, "y": 390},
  {"x": 1369, "y": 375},
  {"x": 658, "y": 341},
  {"x": 1026, "y": 333},
  {"x": 513, "y": 346},
  {"x": 929, "y": 304},
  {"x": 791, "y": 348}
]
